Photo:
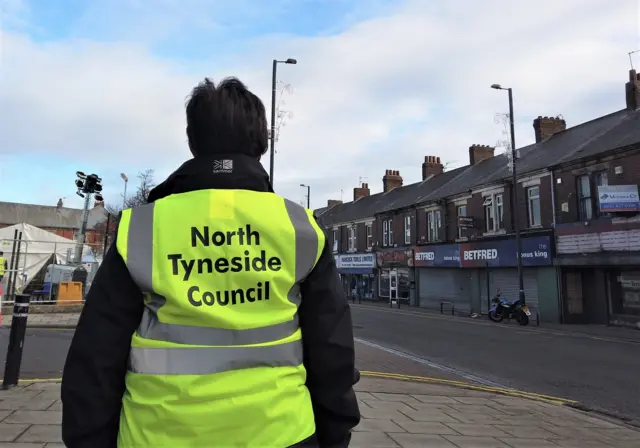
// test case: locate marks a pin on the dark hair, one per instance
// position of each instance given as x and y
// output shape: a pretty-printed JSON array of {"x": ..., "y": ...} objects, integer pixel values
[{"x": 226, "y": 118}]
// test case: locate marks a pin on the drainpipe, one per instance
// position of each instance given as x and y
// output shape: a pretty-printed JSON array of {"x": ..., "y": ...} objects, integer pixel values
[{"x": 553, "y": 200}]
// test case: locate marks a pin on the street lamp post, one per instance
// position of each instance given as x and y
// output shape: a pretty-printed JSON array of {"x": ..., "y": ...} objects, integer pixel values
[
  {"x": 308, "y": 187},
  {"x": 272, "y": 136},
  {"x": 124, "y": 195},
  {"x": 516, "y": 220}
]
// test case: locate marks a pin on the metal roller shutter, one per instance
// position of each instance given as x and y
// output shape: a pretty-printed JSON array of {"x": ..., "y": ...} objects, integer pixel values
[
  {"x": 448, "y": 285},
  {"x": 507, "y": 281}
]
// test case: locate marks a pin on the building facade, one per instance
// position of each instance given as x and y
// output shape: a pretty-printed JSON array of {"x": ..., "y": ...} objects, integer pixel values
[{"x": 451, "y": 236}]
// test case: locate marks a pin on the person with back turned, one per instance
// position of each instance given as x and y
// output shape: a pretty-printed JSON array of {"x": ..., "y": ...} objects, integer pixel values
[{"x": 216, "y": 318}]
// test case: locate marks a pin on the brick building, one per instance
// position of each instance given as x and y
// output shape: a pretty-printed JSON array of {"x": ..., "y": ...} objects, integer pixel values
[
  {"x": 58, "y": 219},
  {"x": 450, "y": 237}
]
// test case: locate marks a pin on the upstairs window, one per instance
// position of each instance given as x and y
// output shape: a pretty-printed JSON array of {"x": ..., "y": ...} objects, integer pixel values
[
  {"x": 335, "y": 240},
  {"x": 352, "y": 237},
  {"x": 434, "y": 225},
  {"x": 533, "y": 206},
  {"x": 407, "y": 229},
  {"x": 369, "y": 234}
]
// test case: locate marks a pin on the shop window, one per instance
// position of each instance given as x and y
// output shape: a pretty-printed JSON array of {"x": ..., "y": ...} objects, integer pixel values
[
  {"x": 351, "y": 234},
  {"x": 625, "y": 292},
  {"x": 462, "y": 211},
  {"x": 533, "y": 206},
  {"x": 369, "y": 233},
  {"x": 434, "y": 224},
  {"x": 384, "y": 283},
  {"x": 407, "y": 229}
]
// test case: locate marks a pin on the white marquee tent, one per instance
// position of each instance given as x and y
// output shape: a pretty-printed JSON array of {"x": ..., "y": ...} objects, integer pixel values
[{"x": 38, "y": 247}]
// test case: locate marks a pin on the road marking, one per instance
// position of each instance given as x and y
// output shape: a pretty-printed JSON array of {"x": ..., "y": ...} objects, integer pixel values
[
  {"x": 434, "y": 365},
  {"x": 40, "y": 380},
  {"x": 461, "y": 384},
  {"x": 497, "y": 325}
]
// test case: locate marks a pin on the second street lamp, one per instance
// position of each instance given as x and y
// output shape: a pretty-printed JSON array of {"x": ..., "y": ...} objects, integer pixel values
[
  {"x": 516, "y": 220},
  {"x": 308, "y": 187},
  {"x": 272, "y": 136}
]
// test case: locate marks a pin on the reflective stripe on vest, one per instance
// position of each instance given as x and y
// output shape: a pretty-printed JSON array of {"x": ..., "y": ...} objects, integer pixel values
[
  {"x": 208, "y": 360},
  {"x": 203, "y": 360}
]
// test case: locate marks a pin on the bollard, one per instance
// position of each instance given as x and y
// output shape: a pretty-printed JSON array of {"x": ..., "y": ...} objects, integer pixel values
[{"x": 16, "y": 341}]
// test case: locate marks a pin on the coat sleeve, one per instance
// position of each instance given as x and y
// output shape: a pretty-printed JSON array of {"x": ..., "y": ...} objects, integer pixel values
[
  {"x": 94, "y": 372},
  {"x": 329, "y": 355}
]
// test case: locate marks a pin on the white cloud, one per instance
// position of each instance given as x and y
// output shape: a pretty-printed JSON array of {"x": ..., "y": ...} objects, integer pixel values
[{"x": 379, "y": 95}]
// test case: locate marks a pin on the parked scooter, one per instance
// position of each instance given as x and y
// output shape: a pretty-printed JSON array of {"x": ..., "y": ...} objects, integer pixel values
[{"x": 501, "y": 308}]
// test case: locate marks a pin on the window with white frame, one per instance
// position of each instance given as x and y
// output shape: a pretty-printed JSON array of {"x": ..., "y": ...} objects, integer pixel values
[
  {"x": 407, "y": 229},
  {"x": 351, "y": 234},
  {"x": 335, "y": 240},
  {"x": 462, "y": 211},
  {"x": 499, "y": 212},
  {"x": 493, "y": 212},
  {"x": 390, "y": 227},
  {"x": 434, "y": 223},
  {"x": 369, "y": 233},
  {"x": 533, "y": 206},
  {"x": 385, "y": 233}
]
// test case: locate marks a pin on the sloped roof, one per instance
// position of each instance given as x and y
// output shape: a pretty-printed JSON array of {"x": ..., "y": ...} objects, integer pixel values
[
  {"x": 44, "y": 216},
  {"x": 617, "y": 130}
]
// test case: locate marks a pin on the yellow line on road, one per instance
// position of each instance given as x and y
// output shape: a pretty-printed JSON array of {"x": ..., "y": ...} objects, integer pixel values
[
  {"x": 41, "y": 380},
  {"x": 465, "y": 385}
]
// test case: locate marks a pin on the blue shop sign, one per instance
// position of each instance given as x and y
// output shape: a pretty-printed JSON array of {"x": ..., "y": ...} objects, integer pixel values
[
  {"x": 536, "y": 251},
  {"x": 442, "y": 255}
]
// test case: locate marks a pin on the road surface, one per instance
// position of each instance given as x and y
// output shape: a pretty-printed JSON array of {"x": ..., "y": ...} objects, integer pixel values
[{"x": 600, "y": 372}]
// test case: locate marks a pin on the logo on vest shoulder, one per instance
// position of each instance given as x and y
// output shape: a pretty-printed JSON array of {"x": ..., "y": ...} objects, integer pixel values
[{"x": 222, "y": 166}]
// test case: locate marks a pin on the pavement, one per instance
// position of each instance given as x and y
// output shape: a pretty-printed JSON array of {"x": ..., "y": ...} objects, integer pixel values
[
  {"x": 596, "y": 367},
  {"x": 395, "y": 413},
  {"x": 46, "y": 320}
]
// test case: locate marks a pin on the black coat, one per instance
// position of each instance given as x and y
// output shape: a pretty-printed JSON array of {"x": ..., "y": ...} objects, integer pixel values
[{"x": 94, "y": 373}]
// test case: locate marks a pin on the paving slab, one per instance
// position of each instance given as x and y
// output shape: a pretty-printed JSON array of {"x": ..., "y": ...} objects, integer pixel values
[{"x": 395, "y": 414}]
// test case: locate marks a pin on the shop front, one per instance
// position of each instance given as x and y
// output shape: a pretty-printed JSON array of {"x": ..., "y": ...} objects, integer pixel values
[
  {"x": 357, "y": 273},
  {"x": 468, "y": 275},
  {"x": 396, "y": 279},
  {"x": 495, "y": 263},
  {"x": 599, "y": 269},
  {"x": 440, "y": 278}
]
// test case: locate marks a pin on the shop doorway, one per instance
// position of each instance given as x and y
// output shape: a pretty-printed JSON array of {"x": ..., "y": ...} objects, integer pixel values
[{"x": 393, "y": 284}]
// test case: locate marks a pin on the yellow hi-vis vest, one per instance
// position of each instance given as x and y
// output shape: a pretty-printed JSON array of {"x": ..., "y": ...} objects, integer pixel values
[
  {"x": 217, "y": 358},
  {"x": 2, "y": 262}
]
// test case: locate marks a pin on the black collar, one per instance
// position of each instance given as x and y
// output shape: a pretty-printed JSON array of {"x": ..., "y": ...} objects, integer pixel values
[{"x": 217, "y": 172}]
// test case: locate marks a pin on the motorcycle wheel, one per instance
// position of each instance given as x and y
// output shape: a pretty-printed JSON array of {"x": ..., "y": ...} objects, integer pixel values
[
  {"x": 523, "y": 319},
  {"x": 496, "y": 317}
]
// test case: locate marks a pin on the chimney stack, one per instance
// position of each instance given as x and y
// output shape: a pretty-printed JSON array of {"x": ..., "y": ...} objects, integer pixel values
[
  {"x": 333, "y": 202},
  {"x": 391, "y": 180},
  {"x": 431, "y": 167},
  {"x": 361, "y": 192},
  {"x": 98, "y": 204},
  {"x": 633, "y": 90},
  {"x": 545, "y": 127},
  {"x": 59, "y": 204},
  {"x": 478, "y": 153}
]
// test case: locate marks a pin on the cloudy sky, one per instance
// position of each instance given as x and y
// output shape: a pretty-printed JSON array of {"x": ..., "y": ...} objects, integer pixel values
[{"x": 100, "y": 85}]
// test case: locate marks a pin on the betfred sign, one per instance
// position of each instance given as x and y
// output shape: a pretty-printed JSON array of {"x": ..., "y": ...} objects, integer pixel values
[
  {"x": 480, "y": 254},
  {"x": 536, "y": 251},
  {"x": 442, "y": 255}
]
